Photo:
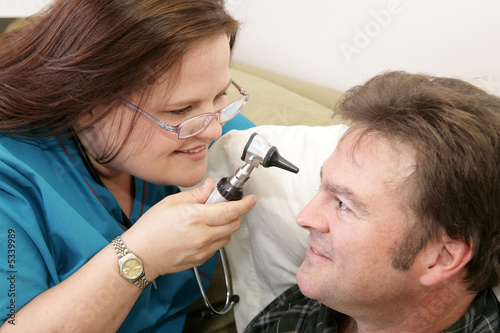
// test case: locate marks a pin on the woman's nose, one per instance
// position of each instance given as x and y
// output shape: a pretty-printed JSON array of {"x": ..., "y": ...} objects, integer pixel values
[{"x": 213, "y": 131}]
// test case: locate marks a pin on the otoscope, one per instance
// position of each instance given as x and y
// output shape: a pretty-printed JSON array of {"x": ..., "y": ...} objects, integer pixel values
[{"x": 258, "y": 151}]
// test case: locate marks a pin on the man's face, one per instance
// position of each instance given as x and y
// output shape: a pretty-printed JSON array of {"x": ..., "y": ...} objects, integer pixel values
[{"x": 356, "y": 223}]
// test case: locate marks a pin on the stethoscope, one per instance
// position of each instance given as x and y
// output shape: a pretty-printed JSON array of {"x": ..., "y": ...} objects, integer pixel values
[{"x": 231, "y": 300}]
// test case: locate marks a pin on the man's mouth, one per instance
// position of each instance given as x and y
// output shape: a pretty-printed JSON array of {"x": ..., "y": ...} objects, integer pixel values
[{"x": 314, "y": 250}]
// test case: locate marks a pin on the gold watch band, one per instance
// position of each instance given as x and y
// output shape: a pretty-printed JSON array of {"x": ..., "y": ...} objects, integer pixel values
[
  {"x": 120, "y": 248},
  {"x": 122, "y": 252}
]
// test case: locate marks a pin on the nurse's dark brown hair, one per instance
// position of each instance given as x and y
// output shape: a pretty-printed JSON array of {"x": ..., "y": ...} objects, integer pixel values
[
  {"x": 454, "y": 128},
  {"x": 82, "y": 55}
]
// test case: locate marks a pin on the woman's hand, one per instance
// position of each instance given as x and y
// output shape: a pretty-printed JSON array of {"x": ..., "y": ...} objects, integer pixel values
[{"x": 181, "y": 232}]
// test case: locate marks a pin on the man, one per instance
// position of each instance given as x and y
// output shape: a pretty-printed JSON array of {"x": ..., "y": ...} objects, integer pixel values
[{"x": 405, "y": 229}]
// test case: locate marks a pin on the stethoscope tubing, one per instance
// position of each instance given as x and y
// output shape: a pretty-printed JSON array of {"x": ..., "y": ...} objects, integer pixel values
[{"x": 230, "y": 301}]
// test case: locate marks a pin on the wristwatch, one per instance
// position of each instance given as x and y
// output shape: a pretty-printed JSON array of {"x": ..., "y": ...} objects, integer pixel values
[{"x": 131, "y": 267}]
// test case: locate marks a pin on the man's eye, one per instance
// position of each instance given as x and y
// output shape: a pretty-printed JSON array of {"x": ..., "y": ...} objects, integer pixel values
[{"x": 342, "y": 206}]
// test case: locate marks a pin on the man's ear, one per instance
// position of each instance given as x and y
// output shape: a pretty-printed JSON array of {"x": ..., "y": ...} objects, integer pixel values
[{"x": 445, "y": 259}]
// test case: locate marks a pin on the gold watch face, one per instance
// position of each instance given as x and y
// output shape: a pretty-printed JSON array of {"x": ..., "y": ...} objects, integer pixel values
[{"x": 132, "y": 268}]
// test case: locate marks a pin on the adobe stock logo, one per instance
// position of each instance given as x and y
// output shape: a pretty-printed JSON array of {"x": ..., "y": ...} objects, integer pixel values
[{"x": 364, "y": 36}]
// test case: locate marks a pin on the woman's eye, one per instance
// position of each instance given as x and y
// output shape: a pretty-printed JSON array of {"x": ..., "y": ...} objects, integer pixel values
[
  {"x": 184, "y": 111},
  {"x": 179, "y": 112},
  {"x": 222, "y": 94}
]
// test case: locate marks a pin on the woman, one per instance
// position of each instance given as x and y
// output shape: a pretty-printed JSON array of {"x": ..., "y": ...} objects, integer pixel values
[{"x": 85, "y": 156}]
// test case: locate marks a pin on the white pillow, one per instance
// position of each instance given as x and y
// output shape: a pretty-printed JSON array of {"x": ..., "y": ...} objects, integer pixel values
[{"x": 266, "y": 252}]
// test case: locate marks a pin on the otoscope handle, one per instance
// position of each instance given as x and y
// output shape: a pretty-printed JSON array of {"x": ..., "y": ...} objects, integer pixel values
[
  {"x": 225, "y": 191},
  {"x": 215, "y": 197}
]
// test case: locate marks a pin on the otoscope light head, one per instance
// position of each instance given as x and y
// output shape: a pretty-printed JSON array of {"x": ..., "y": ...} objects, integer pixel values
[{"x": 259, "y": 151}]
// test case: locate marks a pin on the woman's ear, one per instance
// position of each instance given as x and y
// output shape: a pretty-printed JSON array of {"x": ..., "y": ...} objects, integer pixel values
[
  {"x": 86, "y": 120},
  {"x": 445, "y": 259},
  {"x": 89, "y": 119}
]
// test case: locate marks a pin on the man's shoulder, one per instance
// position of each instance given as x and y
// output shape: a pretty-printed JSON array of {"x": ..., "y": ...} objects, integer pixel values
[
  {"x": 482, "y": 317},
  {"x": 293, "y": 312}
]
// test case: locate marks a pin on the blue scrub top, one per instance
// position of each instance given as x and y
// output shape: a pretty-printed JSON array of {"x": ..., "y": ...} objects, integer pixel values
[{"x": 54, "y": 217}]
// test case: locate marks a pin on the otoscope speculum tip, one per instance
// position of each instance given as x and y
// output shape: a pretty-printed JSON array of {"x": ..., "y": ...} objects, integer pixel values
[{"x": 259, "y": 151}]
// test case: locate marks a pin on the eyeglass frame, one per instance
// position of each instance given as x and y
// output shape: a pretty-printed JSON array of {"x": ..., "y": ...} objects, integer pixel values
[{"x": 177, "y": 129}]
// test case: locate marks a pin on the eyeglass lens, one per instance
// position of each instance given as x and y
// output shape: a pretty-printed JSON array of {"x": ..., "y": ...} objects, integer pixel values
[{"x": 196, "y": 125}]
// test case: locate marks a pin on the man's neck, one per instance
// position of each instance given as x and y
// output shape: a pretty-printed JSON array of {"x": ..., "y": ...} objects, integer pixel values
[
  {"x": 434, "y": 312},
  {"x": 438, "y": 311}
]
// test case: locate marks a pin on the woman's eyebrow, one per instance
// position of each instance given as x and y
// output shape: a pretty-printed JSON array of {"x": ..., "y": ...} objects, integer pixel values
[{"x": 227, "y": 85}]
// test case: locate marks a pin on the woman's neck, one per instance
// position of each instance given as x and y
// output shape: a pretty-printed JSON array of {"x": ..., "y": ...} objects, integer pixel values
[
  {"x": 119, "y": 183},
  {"x": 123, "y": 189}
]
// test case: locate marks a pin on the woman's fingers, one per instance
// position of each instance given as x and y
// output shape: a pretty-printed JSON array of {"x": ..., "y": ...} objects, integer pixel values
[{"x": 197, "y": 195}]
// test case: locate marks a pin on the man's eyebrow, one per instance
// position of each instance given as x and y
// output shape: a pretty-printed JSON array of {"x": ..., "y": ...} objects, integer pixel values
[{"x": 345, "y": 192}]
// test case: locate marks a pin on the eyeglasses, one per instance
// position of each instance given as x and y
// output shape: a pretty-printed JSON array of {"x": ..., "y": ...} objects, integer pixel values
[{"x": 197, "y": 124}]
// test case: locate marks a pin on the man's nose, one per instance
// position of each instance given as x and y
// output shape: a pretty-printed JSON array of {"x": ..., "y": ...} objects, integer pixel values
[{"x": 314, "y": 215}]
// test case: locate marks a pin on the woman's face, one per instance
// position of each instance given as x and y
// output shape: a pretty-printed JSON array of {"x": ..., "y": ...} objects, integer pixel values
[{"x": 152, "y": 153}]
